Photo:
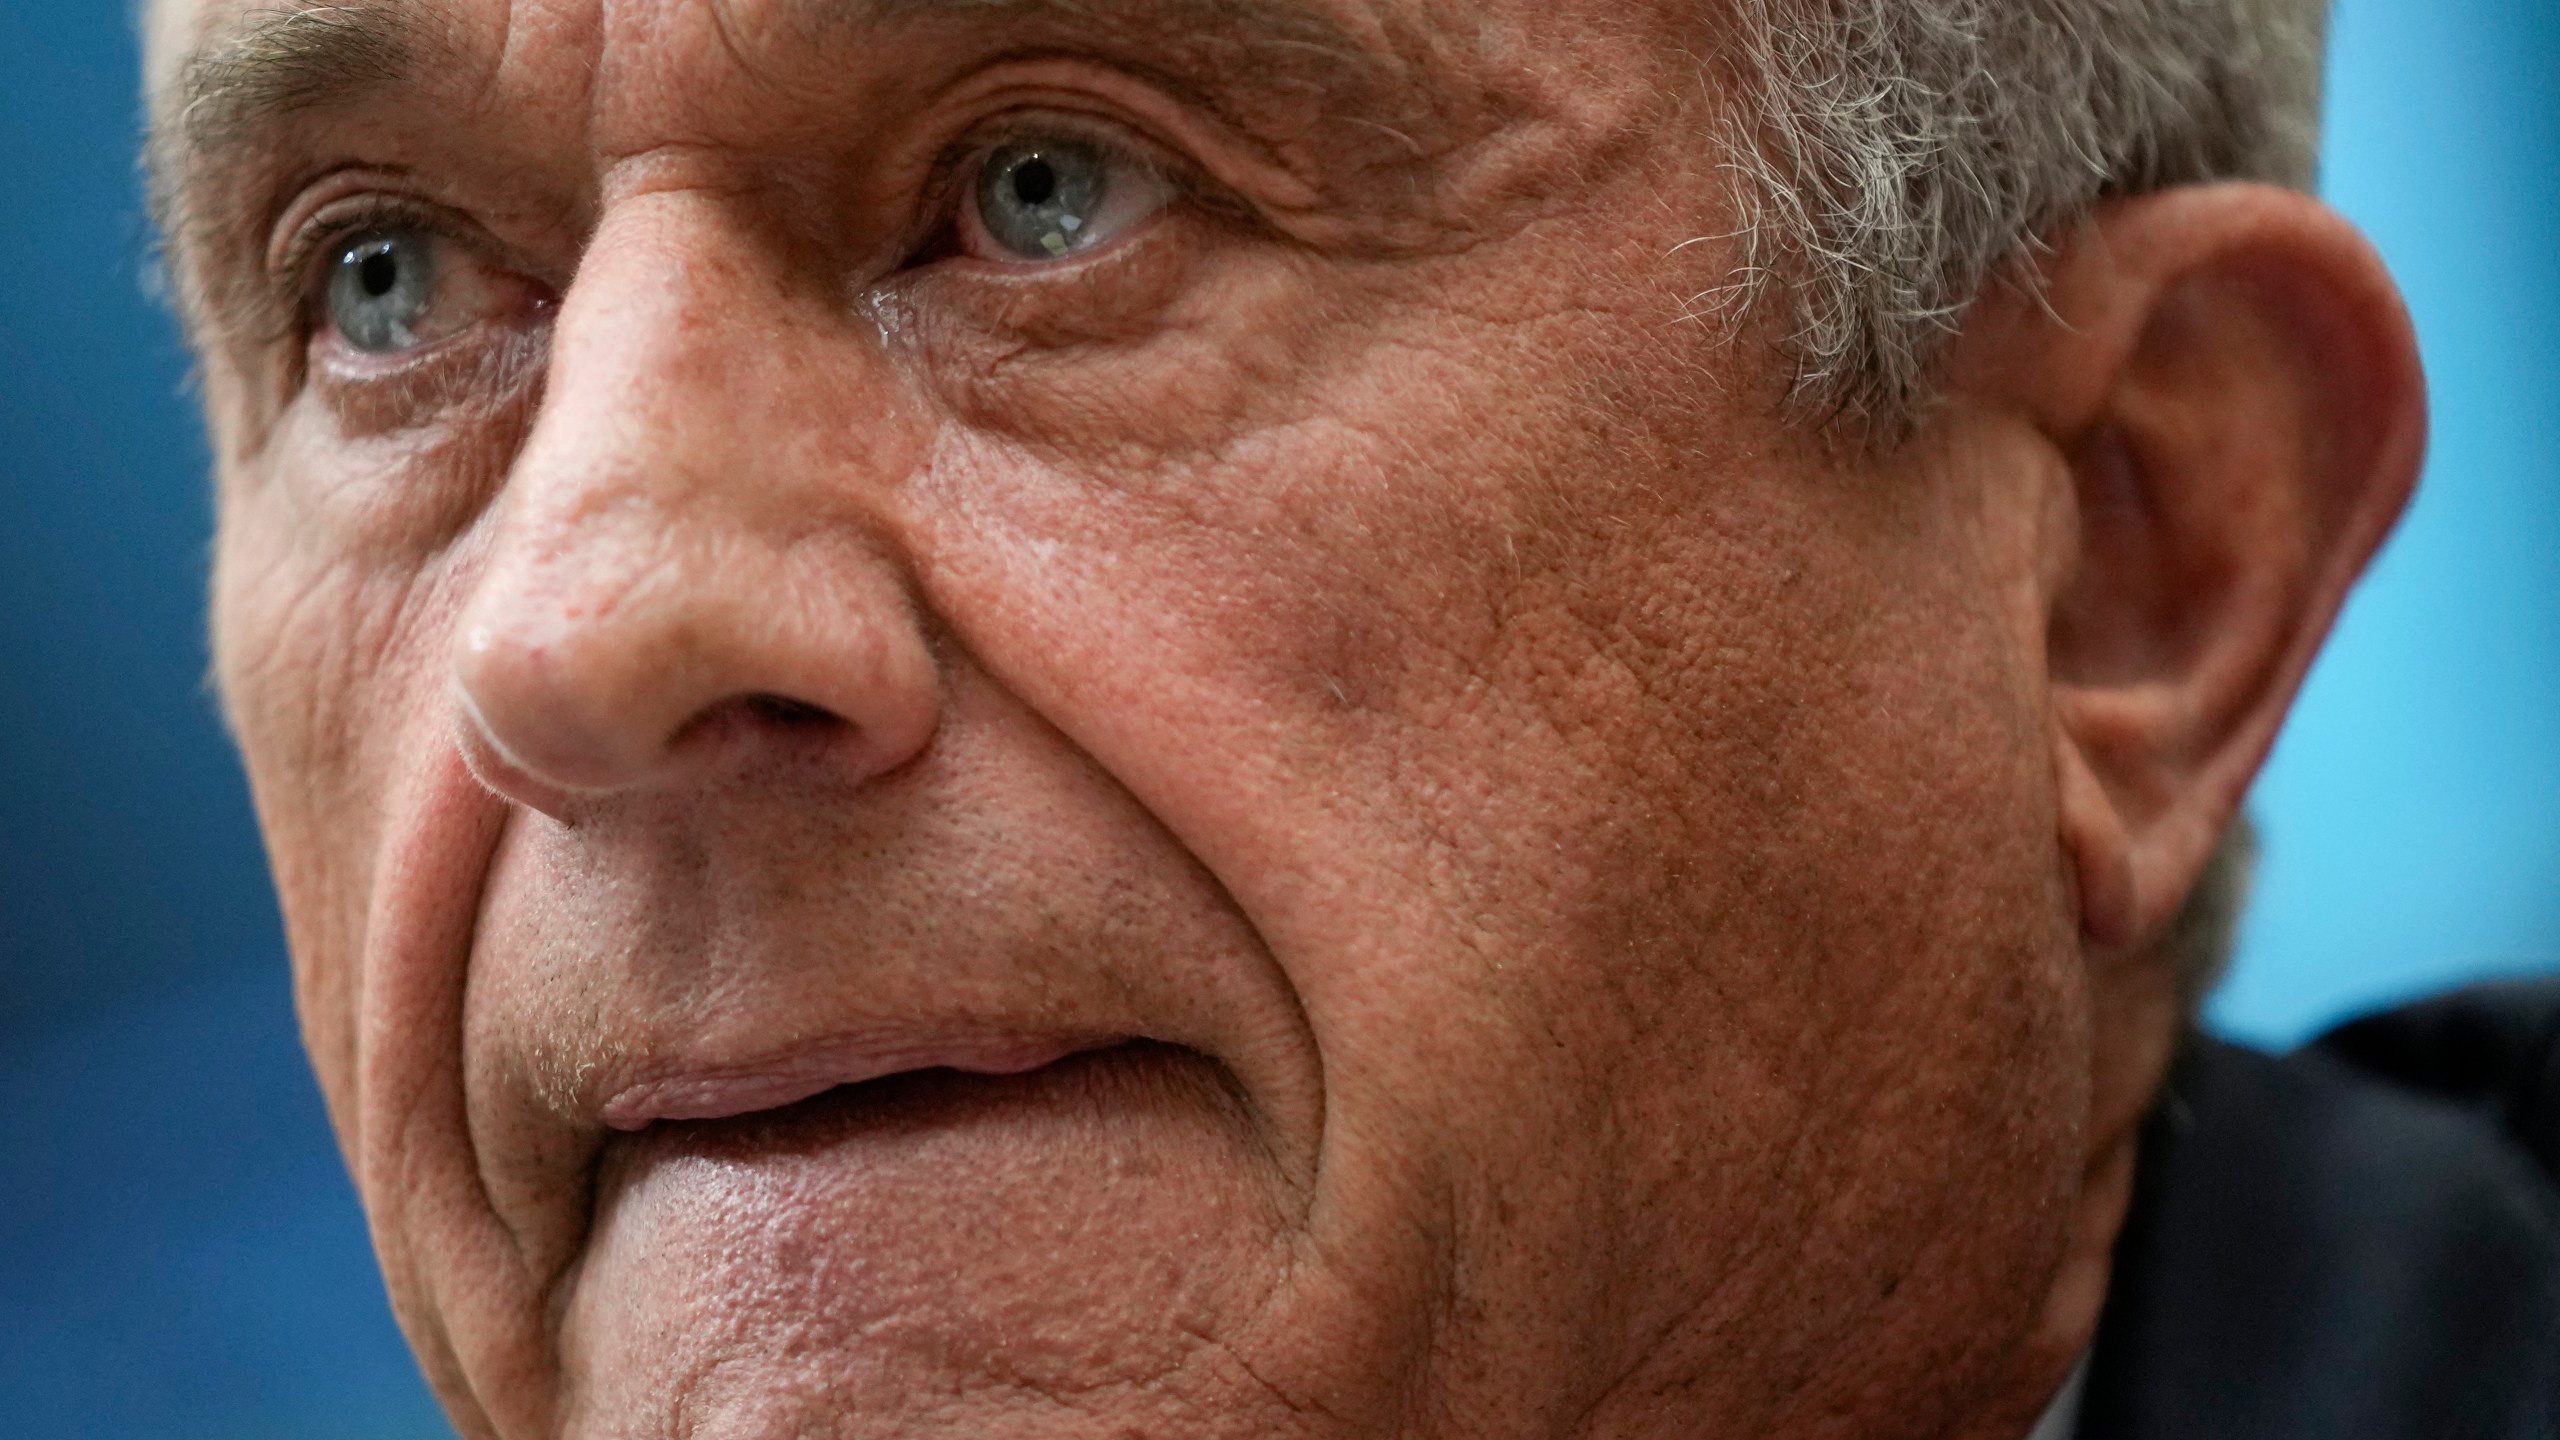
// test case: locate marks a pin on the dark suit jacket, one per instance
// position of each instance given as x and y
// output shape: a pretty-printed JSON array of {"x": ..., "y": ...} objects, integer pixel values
[{"x": 2358, "y": 1241}]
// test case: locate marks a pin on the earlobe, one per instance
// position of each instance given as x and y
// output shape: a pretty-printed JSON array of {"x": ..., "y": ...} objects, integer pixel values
[
  {"x": 2093, "y": 836},
  {"x": 2232, "y": 380}
]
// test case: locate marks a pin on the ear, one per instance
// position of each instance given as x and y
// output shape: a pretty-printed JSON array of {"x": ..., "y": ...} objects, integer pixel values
[{"x": 2231, "y": 384}]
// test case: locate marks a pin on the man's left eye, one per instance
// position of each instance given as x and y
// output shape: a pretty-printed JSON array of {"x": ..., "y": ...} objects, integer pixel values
[{"x": 1043, "y": 200}]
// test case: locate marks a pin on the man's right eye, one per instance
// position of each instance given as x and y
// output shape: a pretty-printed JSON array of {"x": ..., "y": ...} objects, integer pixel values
[{"x": 382, "y": 291}]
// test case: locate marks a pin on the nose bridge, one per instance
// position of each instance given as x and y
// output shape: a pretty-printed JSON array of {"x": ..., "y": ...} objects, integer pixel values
[
  {"x": 685, "y": 353},
  {"x": 700, "y": 527}
]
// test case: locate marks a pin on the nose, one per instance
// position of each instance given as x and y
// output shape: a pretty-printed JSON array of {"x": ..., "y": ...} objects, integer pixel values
[{"x": 696, "y": 552}]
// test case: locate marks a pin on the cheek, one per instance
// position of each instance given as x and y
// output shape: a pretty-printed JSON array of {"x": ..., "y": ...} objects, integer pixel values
[
  {"x": 1647, "y": 838},
  {"x": 1165, "y": 353},
  {"x": 335, "y": 570},
  {"x": 327, "y": 657}
]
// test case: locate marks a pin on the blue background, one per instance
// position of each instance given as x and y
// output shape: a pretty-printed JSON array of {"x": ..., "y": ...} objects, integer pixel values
[{"x": 180, "y": 1254}]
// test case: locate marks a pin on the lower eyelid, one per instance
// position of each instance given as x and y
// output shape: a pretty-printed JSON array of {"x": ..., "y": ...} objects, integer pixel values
[{"x": 374, "y": 395}]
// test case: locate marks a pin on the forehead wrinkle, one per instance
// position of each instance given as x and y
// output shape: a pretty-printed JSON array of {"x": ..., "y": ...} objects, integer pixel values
[
  {"x": 1262, "y": 25},
  {"x": 1259, "y": 13}
]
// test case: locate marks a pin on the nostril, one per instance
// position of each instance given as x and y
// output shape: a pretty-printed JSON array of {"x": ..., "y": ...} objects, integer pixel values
[
  {"x": 790, "y": 714},
  {"x": 748, "y": 724}
]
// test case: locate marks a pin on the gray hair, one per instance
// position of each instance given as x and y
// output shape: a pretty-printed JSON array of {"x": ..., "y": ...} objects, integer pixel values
[
  {"x": 1894, "y": 156},
  {"x": 1897, "y": 156},
  {"x": 2198, "y": 943}
]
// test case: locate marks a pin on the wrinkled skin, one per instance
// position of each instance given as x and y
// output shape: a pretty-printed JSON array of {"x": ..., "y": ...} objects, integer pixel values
[{"x": 1530, "y": 894}]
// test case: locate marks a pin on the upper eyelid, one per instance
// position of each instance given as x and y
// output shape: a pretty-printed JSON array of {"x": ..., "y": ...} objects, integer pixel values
[
  {"x": 954, "y": 170},
  {"x": 1209, "y": 156},
  {"x": 1037, "y": 122},
  {"x": 294, "y": 268},
  {"x": 345, "y": 196}
]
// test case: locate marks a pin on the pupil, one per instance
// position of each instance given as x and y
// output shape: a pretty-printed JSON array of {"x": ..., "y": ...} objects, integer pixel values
[
  {"x": 1034, "y": 183},
  {"x": 378, "y": 272}
]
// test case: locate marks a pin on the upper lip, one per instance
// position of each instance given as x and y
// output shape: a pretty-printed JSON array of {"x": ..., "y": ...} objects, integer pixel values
[{"x": 720, "y": 1089}]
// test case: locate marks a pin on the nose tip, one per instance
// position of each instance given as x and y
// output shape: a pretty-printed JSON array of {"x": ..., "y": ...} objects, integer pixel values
[{"x": 557, "y": 702}]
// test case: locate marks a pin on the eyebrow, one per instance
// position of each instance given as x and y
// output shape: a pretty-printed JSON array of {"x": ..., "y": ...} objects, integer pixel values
[{"x": 267, "y": 66}]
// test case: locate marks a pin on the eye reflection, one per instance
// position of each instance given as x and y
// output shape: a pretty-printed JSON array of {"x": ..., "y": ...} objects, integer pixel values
[
  {"x": 1045, "y": 200},
  {"x": 382, "y": 289}
]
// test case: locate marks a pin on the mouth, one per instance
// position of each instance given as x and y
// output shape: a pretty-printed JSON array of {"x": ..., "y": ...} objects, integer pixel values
[
  {"x": 878, "y": 1137},
  {"x": 1014, "y": 1101},
  {"x": 778, "y": 1082}
]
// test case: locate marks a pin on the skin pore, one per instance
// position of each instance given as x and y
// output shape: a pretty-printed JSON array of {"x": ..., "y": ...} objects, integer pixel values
[{"x": 1310, "y": 815}]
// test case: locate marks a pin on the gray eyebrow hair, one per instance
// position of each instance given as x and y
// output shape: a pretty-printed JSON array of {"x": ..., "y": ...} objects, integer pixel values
[{"x": 268, "y": 64}]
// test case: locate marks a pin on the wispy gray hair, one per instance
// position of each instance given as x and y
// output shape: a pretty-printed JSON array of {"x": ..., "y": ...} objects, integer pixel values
[{"x": 1895, "y": 155}]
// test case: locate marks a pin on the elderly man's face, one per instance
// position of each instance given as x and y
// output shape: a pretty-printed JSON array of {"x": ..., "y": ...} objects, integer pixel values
[{"x": 1022, "y": 719}]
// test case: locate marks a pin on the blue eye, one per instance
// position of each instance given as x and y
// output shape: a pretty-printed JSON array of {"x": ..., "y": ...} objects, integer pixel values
[
  {"x": 381, "y": 290},
  {"x": 1045, "y": 200}
]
